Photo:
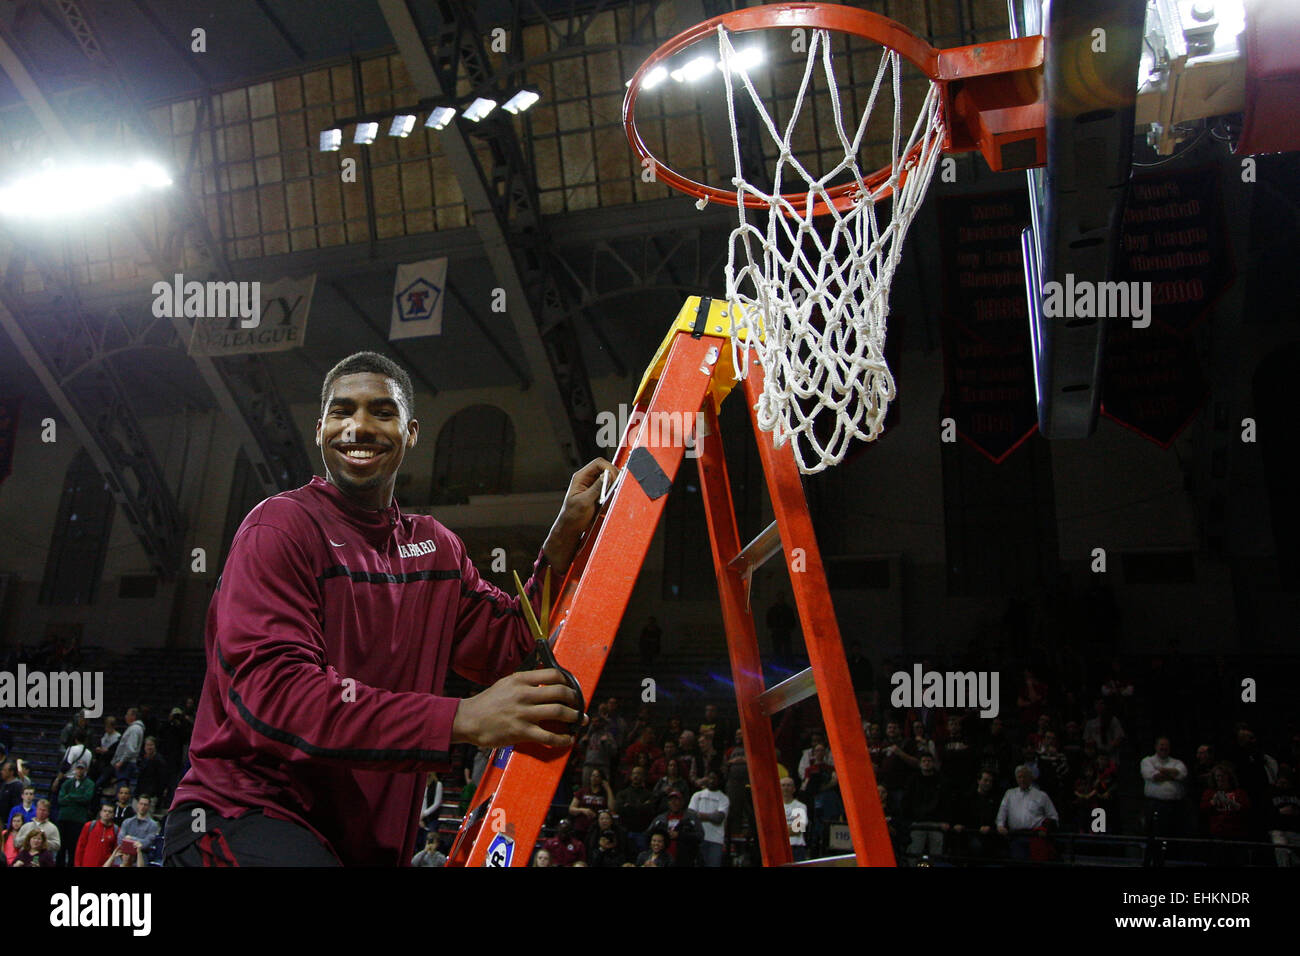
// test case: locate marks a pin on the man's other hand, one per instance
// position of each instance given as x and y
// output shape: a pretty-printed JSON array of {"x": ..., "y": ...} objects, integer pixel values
[
  {"x": 581, "y": 502},
  {"x": 512, "y": 710}
]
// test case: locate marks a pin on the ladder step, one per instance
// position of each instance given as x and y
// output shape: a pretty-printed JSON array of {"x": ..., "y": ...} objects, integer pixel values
[
  {"x": 789, "y": 692},
  {"x": 755, "y": 554},
  {"x": 848, "y": 860}
]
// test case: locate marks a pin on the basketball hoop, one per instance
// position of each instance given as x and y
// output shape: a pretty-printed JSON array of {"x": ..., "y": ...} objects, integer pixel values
[{"x": 812, "y": 303}]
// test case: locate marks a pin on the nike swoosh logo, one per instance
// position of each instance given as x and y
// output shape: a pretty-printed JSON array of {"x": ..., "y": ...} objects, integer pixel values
[{"x": 335, "y": 543}]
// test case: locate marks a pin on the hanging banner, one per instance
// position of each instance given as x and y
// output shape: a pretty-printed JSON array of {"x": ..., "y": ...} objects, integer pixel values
[
  {"x": 1174, "y": 238},
  {"x": 988, "y": 368},
  {"x": 417, "y": 299},
  {"x": 1152, "y": 381},
  {"x": 8, "y": 433},
  {"x": 236, "y": 318}
]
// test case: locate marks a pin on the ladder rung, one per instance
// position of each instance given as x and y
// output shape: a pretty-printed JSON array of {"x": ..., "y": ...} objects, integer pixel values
[
  {"x": 788, "y": 693},
  {"x": 755, "y": 554},
  {"x": 849, "y": 860}
]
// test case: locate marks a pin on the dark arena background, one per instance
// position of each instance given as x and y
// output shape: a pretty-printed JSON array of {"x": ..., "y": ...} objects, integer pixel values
[{"x": 1056, "y": 596}]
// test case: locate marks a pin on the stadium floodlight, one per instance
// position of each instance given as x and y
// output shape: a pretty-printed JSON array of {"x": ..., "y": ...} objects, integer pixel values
[
  {"x": 746, "y": 59},
  {"x": 331, "y": 140},
  {"x": 73, "y": 188},
  {"x": 366, "y": 133},
  {"x": 521, "y": 101},
  {"x": 403, "y": 123},
  {"x": 440, "y": 118},
  {"x": 694, "y": 69},
  {"x": 652, "y": 79},
  {"x": 480, "y": 108}
]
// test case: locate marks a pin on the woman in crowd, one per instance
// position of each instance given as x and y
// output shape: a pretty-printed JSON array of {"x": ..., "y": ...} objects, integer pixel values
[
  {"x": 589, "y": 801},
  {"x": 657, "y": 855},
  {"x": 1226, "y": 807},
  {"x": 605, "y": 823},
  {"x": 16, "y": 821},
  {"x": 35, "y": 852}
]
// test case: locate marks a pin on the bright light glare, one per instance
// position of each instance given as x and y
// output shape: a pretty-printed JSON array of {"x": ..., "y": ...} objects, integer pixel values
[
  {"x": 366, "y": 133},
  {"x": 440, "y": 117},
  {"x": 74, "y": 189},
  {"x": 694, "y": 69},
  {"x": 521, "y": 101},
  {"x": 330, "y": 140},
  {"x": 653, "y": 78},
  {"x": 746, "y": 59},
  {"x": 402, "y": 125},
  {"x": 480, "y": 108}
]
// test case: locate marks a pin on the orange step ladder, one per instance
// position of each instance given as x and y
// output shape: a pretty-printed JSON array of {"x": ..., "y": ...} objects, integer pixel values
[{"x": 692, "y": 372}]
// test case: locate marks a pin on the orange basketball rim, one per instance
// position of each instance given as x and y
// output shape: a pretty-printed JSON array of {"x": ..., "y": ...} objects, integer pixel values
[{"x": 991, "y": 94}]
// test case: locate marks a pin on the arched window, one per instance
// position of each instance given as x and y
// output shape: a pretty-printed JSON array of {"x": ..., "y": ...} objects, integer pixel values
[
  {"x": 475, "y": 455},
  {"x": 79, "y": 540}
]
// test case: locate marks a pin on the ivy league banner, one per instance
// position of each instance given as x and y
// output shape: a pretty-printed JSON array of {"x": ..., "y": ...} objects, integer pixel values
[
  {"x": 988, "y": 368},
  {"x": 277, "y": 323}
]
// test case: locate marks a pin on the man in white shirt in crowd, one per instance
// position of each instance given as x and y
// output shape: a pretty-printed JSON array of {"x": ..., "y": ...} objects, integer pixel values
[
  {"x": 1024, "y": 808},
  {"x": 796, "y": 820},
  {"x": 1164, "y": 784},
  {"x": 711, "y": 805}
]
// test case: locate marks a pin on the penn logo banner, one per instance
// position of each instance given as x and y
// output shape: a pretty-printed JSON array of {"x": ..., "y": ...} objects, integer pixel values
[
  {"x": 417, "y": 299},
  {"x": 276, "y": 321}
]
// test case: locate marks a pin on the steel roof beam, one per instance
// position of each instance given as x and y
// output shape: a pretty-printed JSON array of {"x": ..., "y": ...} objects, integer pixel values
[{"x": 502, "y": 203}]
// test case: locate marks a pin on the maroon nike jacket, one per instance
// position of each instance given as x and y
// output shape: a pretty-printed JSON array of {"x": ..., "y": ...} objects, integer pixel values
[{"x": 328, "y": 642}]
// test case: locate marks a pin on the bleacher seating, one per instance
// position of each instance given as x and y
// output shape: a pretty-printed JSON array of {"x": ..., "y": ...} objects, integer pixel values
[{"x": 158, "y": 677}]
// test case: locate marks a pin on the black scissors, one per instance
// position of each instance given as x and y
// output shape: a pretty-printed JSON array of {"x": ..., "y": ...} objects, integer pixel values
[{"x": 542, "y": 656}]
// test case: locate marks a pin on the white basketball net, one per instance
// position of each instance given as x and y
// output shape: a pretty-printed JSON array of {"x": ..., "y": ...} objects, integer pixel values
[{"x": 820, "y": 304}]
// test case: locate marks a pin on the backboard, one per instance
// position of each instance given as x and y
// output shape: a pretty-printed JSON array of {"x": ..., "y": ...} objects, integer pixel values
[
  {"x": 1116, "y": 70},
  {"x": 1091, "y": 58}
]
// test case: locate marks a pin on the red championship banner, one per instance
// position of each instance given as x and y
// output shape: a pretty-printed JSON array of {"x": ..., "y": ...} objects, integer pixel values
[
  {"x": 1174, "y": 239},
  {"x": 988, "y": 368},
  {"x": 1154, "y": 384},
  {"x": 8, "y": 433}
]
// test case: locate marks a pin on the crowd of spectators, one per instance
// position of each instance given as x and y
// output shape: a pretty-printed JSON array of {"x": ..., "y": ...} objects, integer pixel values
[
  {"x": 955, "y": 787},
  {"x": 674, "y": 790},
  {"x": 677, "y": 794},
  {"x": 958, "y": 787},
  {"x": 102, "y": 807}
]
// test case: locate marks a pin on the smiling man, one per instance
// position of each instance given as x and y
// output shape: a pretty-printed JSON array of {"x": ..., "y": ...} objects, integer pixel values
[{"x": 335, "y": 621}]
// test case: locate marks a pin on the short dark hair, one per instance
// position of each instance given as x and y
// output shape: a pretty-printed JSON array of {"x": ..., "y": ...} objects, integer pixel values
[{"x": 359, "y": 362}]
